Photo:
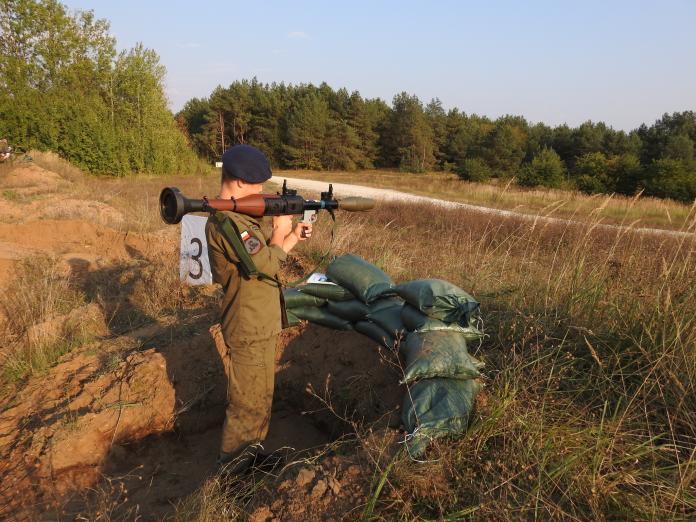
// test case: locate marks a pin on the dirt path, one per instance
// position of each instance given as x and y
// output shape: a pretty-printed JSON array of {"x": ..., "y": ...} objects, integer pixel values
[{"x": 343, "y": 189}]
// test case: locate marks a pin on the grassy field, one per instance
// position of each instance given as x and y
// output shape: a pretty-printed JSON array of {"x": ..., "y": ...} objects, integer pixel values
[
  {"x": 589, "y": 406},
  {"x": 616, "y": 209},
  {"x": 591, "y": 367}
]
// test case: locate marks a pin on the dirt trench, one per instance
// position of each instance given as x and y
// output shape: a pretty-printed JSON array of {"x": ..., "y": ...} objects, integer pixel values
[
  {"x": 127, "y": 425},
  {"x": 135, "y": 430}
]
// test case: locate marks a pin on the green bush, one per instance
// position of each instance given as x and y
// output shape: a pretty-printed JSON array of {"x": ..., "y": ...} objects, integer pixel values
[
  {"x": 474, "y": 169},
  {"x": 670, "y": 178},
  {"x": 590, "y": 185},
  {"x": 546, "y": 169},
  {"x": 105, "y": 112}
]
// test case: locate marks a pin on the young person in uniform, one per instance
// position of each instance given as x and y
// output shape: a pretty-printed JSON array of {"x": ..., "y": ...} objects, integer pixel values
[{"x": 251, "y": 307}]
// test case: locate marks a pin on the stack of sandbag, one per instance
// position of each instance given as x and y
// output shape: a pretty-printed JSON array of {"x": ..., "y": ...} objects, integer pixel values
[
  {"x": 439, "y": 370},
  {"x": 433, "y": 320},
  {"x": 310, "y": 302},
  {"x": 355, "y": 297}
]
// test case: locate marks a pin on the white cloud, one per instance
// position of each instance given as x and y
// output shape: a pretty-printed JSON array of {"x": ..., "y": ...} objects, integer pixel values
[{"x": 298, "y": 34}]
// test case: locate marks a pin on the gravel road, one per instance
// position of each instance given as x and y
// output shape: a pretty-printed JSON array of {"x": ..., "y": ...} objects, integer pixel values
[{"x": 343, "y": 190}]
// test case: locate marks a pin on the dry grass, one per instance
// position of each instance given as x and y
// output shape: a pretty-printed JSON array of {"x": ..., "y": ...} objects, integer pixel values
[
  {"x": 589, "y": 409},
  {"x": 40, "y": 292},
  {"x": 643, "y": 211},
  {"x": 54, "y": 163}
]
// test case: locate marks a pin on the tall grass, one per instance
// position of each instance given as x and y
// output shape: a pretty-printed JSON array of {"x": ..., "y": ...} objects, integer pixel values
[
  {"x": 41, "y": 291},
  {"x": 54, "y": 163},
  {"x": 589, "y": 409}
]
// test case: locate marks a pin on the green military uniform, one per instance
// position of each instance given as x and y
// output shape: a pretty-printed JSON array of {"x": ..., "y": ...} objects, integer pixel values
[{"x": 251, "y": 322}]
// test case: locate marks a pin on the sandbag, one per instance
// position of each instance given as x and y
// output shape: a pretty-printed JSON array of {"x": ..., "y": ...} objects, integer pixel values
[
  {"x": 438, "y": 353},
  {"x": 436, "y": 408},
  {"x": 416, "y": 321},
  {"x": 330, "y": 291},
  {"x": 438, "y": 299},
  {"x": 375, "y": 332},
  {"x": 293, "y": 320},
  {"x": 387, "y": 314},
  {"x": 352, "y": 310},
  {"x": 363, "y": 279},
  {"x": 294, "y": 298},
  {"x": 322, "y": 317}
]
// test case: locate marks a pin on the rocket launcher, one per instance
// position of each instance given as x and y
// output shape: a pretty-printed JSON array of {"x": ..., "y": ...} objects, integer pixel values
[{"x": 174, "y": 205}]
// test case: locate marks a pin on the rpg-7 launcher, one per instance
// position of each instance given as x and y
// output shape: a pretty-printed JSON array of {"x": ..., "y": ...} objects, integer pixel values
[{"x": 174, "y": 205}]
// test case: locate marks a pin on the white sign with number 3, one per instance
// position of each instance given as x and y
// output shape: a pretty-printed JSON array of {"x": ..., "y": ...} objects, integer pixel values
[{"x": 194, "y": 265}]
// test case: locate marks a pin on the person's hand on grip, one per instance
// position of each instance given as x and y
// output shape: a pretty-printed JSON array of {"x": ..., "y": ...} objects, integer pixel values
[{"x": 303, "y": 231}]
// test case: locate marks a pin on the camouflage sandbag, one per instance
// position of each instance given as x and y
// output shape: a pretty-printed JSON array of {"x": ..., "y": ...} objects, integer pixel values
[
  {"x": 438, "y": 299},
  {"x": 416, "y": 321},
  {"x": 387, "y": 314},
  {"x": 438, "y": 353},
  {"x": 321, "y": 316},
  {"x": 435, "y": 408},
  {"x": 293, "y": 320},
  {"x": 363, "y": 279},
  {"x": 294, "y": 298},
  {"x": 330, "y": 291},
  {"x": 352, "y": 310},
  {"x": 374, "y": 332}
]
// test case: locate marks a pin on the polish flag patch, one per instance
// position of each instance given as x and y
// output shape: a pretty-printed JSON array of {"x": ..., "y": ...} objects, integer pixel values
[{"x": 245, "y": 235}]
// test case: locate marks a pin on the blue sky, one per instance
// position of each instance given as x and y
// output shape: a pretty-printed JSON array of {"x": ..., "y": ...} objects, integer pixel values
[{"x": 621, "y": 62}]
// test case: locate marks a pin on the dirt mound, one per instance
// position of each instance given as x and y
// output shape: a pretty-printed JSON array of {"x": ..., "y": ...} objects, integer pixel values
[
  {"x": 32, "y": 179},
  {"x": 92, "y": 211},
  {"x": 31, "y": 193},
  {"x": 60, "y": 207},
  {"x": 63, "y": 236},
  {"x": 78, "y": 242}
]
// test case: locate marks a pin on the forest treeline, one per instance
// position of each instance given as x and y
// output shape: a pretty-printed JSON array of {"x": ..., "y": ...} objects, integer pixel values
[
  {"x": 63, "y": 87},
  {"x": 317, "y": 127}
]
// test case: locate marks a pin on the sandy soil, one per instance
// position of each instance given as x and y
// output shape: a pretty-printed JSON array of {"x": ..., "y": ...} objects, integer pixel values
[{"x": 129, "y": 423}]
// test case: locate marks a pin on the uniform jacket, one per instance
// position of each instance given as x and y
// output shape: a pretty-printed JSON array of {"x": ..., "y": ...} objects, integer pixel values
[{"x": 251, "y": 308}]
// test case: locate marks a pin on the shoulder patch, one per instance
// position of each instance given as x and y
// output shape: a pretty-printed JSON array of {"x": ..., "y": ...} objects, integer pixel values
[{"x": 252, "y": 245}]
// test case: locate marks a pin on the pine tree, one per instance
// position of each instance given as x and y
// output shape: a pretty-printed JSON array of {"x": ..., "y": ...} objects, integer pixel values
[
  {"x": 410, "y": 144},
  {"x": 307, "y": 124}
]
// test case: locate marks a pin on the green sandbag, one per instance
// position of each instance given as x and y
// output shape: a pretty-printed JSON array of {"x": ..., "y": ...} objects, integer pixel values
[
  {"x": 416, "y": 321},
  {"x": 322, "y": 317},
  {"x": 438, "y": 353},
  {"x": 363, "y": 279},
  {"x": 294, "y": 299},
  {"x": 436, "y": 408},
  {"x": 375, "y": 332},
  {"x": 438, "y": 299},
  {"x": 293, "y": 320},
  {"x": 387, "y": 314},
  {"x": 352, "y": 310},
  {"x": 330, "y": 291}
]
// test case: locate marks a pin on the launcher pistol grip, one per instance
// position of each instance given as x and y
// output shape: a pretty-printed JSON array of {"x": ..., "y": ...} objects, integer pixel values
[{"x": 309, "y": 217}]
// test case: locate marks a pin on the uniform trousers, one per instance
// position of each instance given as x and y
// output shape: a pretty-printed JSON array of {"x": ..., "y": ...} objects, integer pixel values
[{"x": 251, "y": 377}]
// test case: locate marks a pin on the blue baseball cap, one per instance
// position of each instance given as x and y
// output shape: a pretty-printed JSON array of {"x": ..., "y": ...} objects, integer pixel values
[{"x": 247, "y": 163}]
